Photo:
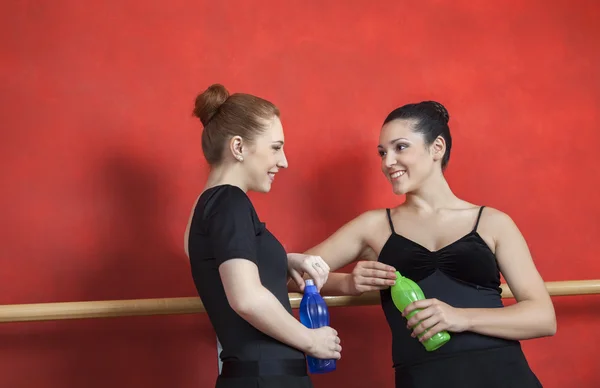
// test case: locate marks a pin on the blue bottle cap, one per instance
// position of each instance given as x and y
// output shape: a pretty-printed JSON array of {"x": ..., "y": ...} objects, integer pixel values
[{"x": 309, "y": 282}]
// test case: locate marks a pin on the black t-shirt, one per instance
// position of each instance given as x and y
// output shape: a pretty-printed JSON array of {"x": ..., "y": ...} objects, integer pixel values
[{"x": 225, "y": 226}]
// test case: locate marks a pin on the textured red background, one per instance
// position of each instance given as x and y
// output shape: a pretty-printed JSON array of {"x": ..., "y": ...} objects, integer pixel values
[{"x": 101, "y": 159}]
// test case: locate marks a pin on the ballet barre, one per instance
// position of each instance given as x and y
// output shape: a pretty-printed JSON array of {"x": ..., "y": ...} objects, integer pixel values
[{"x": 193, "y": 305}]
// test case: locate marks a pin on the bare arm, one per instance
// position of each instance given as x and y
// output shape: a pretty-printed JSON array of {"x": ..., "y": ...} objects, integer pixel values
[
  {"x": 531, "y": 317},
  {"x": 230, "y": 229},
  {"x": 259, "y": 307},
  {"x": 337, "y": 283},
  {"x": 347, "y": 243}
]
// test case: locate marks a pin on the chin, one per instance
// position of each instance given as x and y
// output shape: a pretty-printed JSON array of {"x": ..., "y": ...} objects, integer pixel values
[
  {"x": 399, "y": 190},
  {"x": 260, "y": 185},
  {"x": 264, "y": 188},
  {"x": 261, "y": 189}
]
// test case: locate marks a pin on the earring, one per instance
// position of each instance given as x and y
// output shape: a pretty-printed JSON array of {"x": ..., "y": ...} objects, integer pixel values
[{"x": 240, "y": 158}]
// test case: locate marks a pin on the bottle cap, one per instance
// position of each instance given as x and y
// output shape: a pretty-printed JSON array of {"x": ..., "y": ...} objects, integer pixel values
[{"x": 309, "y": 282}]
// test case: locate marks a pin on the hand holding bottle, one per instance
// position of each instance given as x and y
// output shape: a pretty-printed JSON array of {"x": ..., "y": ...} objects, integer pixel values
[
  {"x": 325, "y": 344},
  {"x": 406, "y": 293},
  {"x": 434, "y": 316}
]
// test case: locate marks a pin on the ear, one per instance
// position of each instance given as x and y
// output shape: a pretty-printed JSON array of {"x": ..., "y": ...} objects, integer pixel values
[
  {"x": 236, "y": 147},
  {"x": 438, "y": 148}
]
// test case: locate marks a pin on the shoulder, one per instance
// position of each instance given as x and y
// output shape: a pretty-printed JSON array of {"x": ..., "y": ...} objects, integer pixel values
[
  {"x": 371, "y": 218},
  {"x": 497, "y": 222},
  {"x": 226, "y": 199},
  {"x": 363, "y": 224},
  {"x": 371, "y": 225},
  {"x": 224, "y": 205},
  {"x": 496, "y": 217}
]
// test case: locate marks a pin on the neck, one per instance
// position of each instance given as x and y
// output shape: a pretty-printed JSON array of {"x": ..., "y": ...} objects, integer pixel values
[
  {"x": 225, "y": 174},
  {"x": 435, "y": 194}
]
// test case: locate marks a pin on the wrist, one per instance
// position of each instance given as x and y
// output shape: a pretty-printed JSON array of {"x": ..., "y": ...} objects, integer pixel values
[
  {"x": 307, "y": 340},
  {"x": 468, "y": 318},
  {"x": 347, "y": 286}
]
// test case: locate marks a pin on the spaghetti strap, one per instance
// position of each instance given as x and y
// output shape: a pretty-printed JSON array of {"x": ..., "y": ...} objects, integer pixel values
[
  {"x": 478, "y": 217},
  {"x": 390, "y": 221}
]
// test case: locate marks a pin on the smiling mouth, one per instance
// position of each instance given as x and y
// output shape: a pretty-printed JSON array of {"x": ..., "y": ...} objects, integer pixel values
[
  {"x": 271, "y": 176},
  {"x": 397, "y": 174}
]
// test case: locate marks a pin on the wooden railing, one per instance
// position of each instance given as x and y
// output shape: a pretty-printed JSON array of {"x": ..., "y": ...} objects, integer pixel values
[{"x": 191, "y": 305}]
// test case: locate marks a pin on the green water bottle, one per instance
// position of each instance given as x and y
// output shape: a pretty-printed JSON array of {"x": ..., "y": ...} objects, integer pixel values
[{"x": 404, "y": 292}]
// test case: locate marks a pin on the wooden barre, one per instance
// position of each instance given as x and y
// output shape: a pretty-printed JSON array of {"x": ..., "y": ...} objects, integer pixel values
[{"x": 192, "y": 305}]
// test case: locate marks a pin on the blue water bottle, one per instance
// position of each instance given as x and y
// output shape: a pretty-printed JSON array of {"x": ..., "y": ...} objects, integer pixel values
[{"x": 314, "y": 314}]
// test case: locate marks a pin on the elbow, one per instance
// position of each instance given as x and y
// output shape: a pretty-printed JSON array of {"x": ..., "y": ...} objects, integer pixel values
[
  {"x": 548, "y": 326},
  {"x": 543, "y": 318},
  {"x": 240, "y": 304},
  {"x": 244, "y": 304},
  {"x": 551, "y": 325}
]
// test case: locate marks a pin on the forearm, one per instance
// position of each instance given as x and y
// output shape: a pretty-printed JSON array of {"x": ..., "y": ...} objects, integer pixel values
[
  {"x": 264, "y": 311},
  {"x": 524, "y": 320},
  {"x": 338, "y": 284}
]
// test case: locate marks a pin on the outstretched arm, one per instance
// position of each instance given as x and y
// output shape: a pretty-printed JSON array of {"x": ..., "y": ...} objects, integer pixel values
[
  {"x": 531, "y": 317},
  {"x": 346, "y": 245}
]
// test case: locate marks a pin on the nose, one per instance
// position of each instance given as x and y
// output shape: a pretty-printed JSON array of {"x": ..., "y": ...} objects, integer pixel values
[
  {"x": 283, "y": 163},
  {"x": 390, "y": 159}
]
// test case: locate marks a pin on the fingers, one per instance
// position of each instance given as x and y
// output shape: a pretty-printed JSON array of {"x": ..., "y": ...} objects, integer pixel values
[
  {"x": 420, "y": 316},
  {"x": 297, "y": 278},
  {"x": 328, "y": 344},
  {"x": 376, "y": 265},
  {"x": 317, "y": 269},
  {"x": 425, "y": 326},
  {"x": 319, "y": 266},
  {"x": 374, "y": 275},
  {"x": 377, "y": 274},
  {"x": 314, "y": 274},
  {"x": 417, "y": 317},
  {"x": 378, "y": 278},
  {"x": 362, "y": 289},
  {"x": 364, "y": 283},
  {"x": 322, "y": 263},
  {"x": 430, "y": 332},
  {"x": 336, "y": 348},
  {"x": 419, "y": 304},
  {"x": 363, "y": 286}
]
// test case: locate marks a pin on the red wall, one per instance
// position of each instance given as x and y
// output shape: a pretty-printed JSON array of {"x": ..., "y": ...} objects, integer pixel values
[{"x": 101, "y": 159}]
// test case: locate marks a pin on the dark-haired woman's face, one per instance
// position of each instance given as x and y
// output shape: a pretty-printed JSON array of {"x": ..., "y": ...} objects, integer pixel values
[{"x": 406, "y": 161}]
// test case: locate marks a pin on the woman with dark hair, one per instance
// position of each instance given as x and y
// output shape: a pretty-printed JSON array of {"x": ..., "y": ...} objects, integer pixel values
[{"x": 455, "y": 251}]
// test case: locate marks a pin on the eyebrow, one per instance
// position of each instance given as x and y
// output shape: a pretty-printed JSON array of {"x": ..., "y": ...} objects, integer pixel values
[{"x": 393, "y": 141}]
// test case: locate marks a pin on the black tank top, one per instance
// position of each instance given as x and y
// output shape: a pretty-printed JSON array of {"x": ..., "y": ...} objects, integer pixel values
[{"x": 463, "y": 274}]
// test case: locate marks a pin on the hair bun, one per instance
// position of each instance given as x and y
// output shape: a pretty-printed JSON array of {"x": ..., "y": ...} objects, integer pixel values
[
  {"x": 209, "y": 102},
  {"x": 440, "y": 110}
]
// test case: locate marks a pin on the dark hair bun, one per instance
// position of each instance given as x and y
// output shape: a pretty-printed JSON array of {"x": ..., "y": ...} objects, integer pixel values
[
  {"x": 439, "y": 110},
  {"x": 209, "y": 102}
]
